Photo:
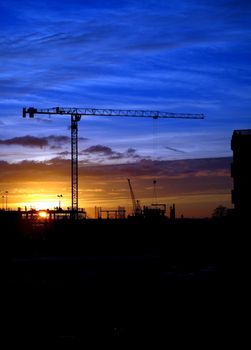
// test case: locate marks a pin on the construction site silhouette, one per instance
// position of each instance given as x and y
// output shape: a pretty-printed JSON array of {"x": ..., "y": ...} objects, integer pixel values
[{"x": 144, "y": 279}]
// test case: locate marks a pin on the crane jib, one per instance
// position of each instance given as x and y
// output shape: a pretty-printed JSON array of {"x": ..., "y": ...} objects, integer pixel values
[{"x": 31, "y": 111}]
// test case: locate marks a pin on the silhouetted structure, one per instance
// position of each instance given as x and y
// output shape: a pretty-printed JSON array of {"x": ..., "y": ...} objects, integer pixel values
[
  {"x": 77, "y": 113},
  {"x": 172, "y": 212},
  {"x": 118, "y": 213},
  {"x": 241, "y": 171},
  {"x": 154, "y": 212}
]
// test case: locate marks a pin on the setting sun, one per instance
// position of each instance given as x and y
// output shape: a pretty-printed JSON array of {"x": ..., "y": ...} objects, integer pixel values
[{"x": 43, "y": 214}]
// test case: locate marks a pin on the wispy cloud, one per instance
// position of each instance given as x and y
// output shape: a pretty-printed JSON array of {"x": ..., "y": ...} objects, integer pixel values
[{"x": 179, "y": 56}]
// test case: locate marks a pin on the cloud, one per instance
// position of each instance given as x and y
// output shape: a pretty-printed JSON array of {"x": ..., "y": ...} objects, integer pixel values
[
  {"x": 52, "y": 141},
  {"x": 99, "y": 149},
  {"x": 64, "y": 153},
  {"x": 131, "y": 151},
  {"x": 175, "y": 169},
  {"x": 26, "y": 141},
  {"x": 104, "y": 153}
]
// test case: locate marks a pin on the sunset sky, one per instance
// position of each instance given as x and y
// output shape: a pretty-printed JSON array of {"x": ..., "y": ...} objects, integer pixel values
[{"x": 188, "y": 56}]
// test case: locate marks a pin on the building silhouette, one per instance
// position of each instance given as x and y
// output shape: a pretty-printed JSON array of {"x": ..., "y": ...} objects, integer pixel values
[{"x": 241, "y": 172}]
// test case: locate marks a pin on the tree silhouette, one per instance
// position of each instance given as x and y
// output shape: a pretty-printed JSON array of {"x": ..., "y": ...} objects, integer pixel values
[{"x": 219, "y": 212}]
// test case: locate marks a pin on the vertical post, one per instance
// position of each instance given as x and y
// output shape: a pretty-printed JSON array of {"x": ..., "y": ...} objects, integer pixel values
[
  {"x": 75, "y": 118},
  {"x": 59, "y": 200},
  {"x": 155, "y": 201},
  {"x": 6, "y": 199}
]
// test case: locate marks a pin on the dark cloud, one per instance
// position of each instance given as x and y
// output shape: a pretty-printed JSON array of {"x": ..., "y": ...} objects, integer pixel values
[
  {"x": 175, "y": 169},
  {"x": 26, "y": 141},
  {"x": 99, "y": 149},
  {"x": 131, "y": 151},
  {"x": 171, "y": 169},
  {"x": 197, "y": 176},
  {"x": 103, "y": 151},
  {"x": 53, "y": 141},
  {"x": 109, "y": 154}
]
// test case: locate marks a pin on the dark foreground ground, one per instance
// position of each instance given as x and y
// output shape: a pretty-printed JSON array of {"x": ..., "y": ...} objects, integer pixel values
[{"x": 122, "y": 284}]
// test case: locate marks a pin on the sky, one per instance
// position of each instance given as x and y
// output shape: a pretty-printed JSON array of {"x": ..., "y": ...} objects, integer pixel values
[{"x": 175, "y": 56}]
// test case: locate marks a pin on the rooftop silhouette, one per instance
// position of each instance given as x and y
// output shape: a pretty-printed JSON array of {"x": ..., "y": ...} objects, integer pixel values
[{"x": 241, "y": 172}]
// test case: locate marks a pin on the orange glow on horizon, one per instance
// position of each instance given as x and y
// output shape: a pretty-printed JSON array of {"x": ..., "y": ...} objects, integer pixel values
[
  {"x": 43, "y": 205},
  {"x": 194, "y": 196},
  {"x": 189, "y": 205},
  {"x": 43, "y": 214}
]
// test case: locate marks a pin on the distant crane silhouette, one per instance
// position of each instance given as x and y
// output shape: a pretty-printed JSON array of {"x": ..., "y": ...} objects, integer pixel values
[
  {"x": 77, "y": 113},
  {"x": 135, "y": 203}
]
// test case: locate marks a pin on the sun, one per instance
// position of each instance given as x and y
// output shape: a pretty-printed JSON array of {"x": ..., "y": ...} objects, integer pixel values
[{"x": 43, "y": 214}]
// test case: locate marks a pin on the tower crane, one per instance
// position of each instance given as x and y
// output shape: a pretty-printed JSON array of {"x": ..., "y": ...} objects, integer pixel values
[
  {"x": 77, "y": 113},
  {"x": 135, "y": 204}
]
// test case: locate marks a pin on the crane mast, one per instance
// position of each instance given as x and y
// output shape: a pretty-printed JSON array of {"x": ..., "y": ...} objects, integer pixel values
[
  {"x": 74, "y": 164},
  {"x": 77, "y": 113}
]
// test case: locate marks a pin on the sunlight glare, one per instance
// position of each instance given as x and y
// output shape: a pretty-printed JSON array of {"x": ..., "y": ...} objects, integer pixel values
[
  {"x": 43, "y": 214},
  {"x": 42, "y": 205}
]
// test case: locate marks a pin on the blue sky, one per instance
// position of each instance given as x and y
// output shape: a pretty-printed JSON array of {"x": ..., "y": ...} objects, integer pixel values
[{"x": 175, "y": 56}]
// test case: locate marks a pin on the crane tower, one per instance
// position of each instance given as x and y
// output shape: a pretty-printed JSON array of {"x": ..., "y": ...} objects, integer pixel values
[{"x": 77, "y": 113}]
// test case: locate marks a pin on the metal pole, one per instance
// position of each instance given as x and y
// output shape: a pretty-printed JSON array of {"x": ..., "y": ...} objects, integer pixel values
[
  {"x": 6, "y": 198},
  {"x": 59, "y": 200}
]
